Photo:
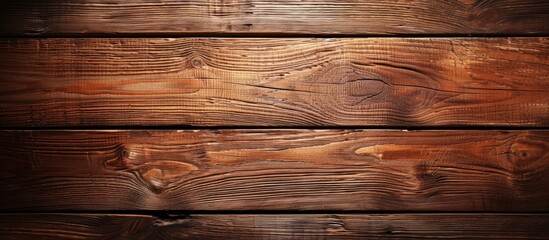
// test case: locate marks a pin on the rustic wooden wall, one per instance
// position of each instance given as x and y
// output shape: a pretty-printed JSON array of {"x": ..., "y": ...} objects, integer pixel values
[{"x": 247, "y": 119}]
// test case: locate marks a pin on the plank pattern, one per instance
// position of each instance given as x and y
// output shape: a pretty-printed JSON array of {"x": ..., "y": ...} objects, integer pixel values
[
  {"x": 301, "y": 226},
  {"x": 274, "y": 170},
  {"x": 274, "y": 82},
  {"x": 286, "y": 17}
]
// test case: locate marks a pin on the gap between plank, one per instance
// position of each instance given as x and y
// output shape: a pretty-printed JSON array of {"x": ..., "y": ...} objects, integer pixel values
[
  {"x": 263, "y": 35},
  {"x": 186, "y": 127},
  {"x": 264, "y": 212}
]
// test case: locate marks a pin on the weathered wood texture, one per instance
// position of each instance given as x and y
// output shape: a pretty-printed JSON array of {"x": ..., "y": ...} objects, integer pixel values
[
  {"x": 275, "y": 170},
  {"x": 174, "y": 17},
  {"x": 274, "y": 82},
  {"x": 302, "y": 226}
]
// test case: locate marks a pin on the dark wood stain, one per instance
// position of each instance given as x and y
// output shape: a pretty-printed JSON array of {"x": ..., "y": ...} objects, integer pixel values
[
  {"x": 255, "y": 17},
  {"x": 275, "y": 82},
  {"x": 275, "y": 226},
  {"x": 275, "y": 170}
]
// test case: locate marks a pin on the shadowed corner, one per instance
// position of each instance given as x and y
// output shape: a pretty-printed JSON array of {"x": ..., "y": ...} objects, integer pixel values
[{"x": 23, "y": 18}]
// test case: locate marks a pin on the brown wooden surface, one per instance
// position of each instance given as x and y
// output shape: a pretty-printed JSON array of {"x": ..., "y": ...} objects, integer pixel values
[
  {"x": 255, "y": 17},
  {"x": 274, "y": 170},
  {"x": 276, "y": 226},
  {"x": 274, "y": 82},
  {"x": 101, "y": 184}
]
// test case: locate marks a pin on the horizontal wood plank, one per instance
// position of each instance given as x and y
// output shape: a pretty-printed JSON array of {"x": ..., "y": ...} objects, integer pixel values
[
  {"x": 274, "y": 82},
  {"x": 275, "y": 170},
  {"x": 255, "y": 17},
  {"x": 275, "y": 226}
]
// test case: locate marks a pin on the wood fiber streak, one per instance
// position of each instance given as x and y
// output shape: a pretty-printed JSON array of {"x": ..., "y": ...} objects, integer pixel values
[
  {"x": 301, "y": 226},
  {"x": 274, "y": 82},
  {"x": 286, "y": 17},
  {"x": 275, "y": 170}
]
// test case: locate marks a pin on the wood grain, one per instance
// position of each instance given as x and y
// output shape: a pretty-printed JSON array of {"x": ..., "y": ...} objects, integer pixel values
[
  {"x": 274, "y": 170},
  {"x": 275, "y": 226},
  {"x": 287, "y": 17},
  {"x": 274, "y": 82}
]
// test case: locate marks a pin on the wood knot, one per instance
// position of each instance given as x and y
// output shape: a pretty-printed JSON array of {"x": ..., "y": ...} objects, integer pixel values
[
  {"x": 196, "y": 62},
  {"x": 120, "y": 160},
  {"x": 362, "y": 90},
  {"x": 424, "y": 172},
  {"x": 428, "y": 177},
  {"x": 335, "y": 225},
  {"x": 388, "y": 230},
  {"x": 523, "y": 152},
  {"x": 164, "y": 172},
  {"x": 149, "y": 166}
]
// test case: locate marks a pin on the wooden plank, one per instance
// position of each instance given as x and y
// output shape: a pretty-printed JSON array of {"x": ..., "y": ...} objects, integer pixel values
[
  {"x": 275, "y": 82},
  {"x": 255, "y": 17},
  {"x": 274, "y": 170},
  {"x": 275, "y": 226}
]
